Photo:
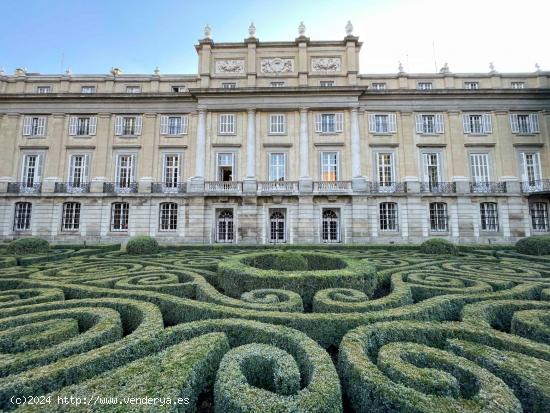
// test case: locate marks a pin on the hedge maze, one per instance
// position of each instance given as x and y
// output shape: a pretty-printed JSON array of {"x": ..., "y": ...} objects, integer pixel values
[{"x": 241, "y": 330}]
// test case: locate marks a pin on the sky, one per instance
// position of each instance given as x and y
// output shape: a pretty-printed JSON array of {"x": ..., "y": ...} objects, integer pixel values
[{"x": 92, "y": 36}]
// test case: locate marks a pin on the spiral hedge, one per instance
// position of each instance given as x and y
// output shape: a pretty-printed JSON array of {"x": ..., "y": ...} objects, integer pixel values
[{"x": 299, "y": 330}]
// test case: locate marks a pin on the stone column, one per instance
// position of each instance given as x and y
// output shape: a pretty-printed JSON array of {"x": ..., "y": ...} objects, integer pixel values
[
  {"x": 358, "y": 182},
  {"x": 306, "y": 183},
  {"x": 249, "y": 182},
  {"x": 196, "y": 183}
]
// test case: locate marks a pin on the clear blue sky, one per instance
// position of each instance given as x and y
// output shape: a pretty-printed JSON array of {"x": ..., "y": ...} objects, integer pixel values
[{"x": 47, "y": 36}]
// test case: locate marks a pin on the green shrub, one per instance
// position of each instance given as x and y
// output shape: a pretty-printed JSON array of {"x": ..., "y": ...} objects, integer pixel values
[
  {"x": 536, "y": 245},
  {"x": 284, "y": 261},
  {"x": 142, "y": 245},
  {"x": 25, "y": 246},
  {"x": 438, "y": 246}
]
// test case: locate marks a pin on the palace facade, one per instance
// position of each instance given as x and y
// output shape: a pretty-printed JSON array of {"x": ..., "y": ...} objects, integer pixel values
[{"x": 275, "y": 142}]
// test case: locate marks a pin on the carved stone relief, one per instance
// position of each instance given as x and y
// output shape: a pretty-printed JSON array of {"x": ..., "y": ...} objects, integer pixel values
[
  {"x": 229, "y": 66},
  {"x": 277, "y": 65},
  {"x": 326, "y": 64}
]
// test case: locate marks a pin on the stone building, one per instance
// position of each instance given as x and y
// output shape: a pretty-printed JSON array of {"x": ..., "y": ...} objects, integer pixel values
[{"x": 275, "y": 142}]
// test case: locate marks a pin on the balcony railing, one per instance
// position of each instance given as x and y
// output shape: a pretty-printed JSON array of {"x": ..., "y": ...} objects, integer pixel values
[
  {"x": 71, "y": 187},
  {"x": 332, "y": 186},
  {"x": 389, "y": 187},
  {"x": 24, "y": 188},
  {"x": 542, "y": 185},
  {"x": 223, "y": 187},
  {"x": 162, "y": 188},
  {"x": 487, "y": 187},
  {"x": 274, "y": 187},
  {"x": 438, "y": 187},
  {"x": 115, "y": 188}
]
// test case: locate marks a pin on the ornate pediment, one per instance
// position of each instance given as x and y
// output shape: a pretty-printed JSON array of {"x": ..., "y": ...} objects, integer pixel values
[
  {"x": 277, "y": 65},
  {"x": 230, "y": 66},
  {"x": 326, "y": 64}
]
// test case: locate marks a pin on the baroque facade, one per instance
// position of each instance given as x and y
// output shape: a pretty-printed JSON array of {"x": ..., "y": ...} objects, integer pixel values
[{"x": 275, "y": 142}]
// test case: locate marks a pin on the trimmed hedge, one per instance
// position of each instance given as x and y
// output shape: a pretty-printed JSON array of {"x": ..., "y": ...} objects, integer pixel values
[
  {"x": 30, "y": 245},
  {"x": 438, "y": 246},
  {"x": 536, "y": 245},
  {"x": 142, "y": 245}
]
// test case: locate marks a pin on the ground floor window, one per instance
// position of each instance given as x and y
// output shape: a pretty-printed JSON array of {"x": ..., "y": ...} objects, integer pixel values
[
  {"x": 330, "y": 230},
  {"x": 224, "y": 226},
  {"x": 438, "y": 217},
  {"x": 489, "y": 216},
  {"x": 168, "y": 216},
  {"x": 71, "y": 216},
  {"x": 120, "y": 212},
  {"x": 539, "y": 216},
  {"x": 22, "y": 218},
  {"x": 388, "y": 216},
  {"x": 277, "y": 226}
]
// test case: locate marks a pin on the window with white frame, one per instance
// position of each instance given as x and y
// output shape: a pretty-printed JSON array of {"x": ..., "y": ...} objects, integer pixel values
[
  {"x": 517, "y": 85},
  {"x": 385, "y": 169},
  {"x": 82, "y": 125},
  {"x": 277, "y": 226},
  {"x": 277, "y": 124},
  {"x": 34, "y": 126},
  {"x": 477, "y": 123},
  {"x": 438, "y": 217},
  {"x": 431, "y": 169},
  {"x": 229, "y": 85},
  {"x": 171, "y": 170},
  {"x": 225, "y": 166},
  {"x": 471, "y": 85},
  {"x": 326, "y": 83},
  {"x": 424, "y": 86},
  {"x": 133, "y": 89},
  {"x": 87, "y": 89},
  {"x": 70, "y": 220},
  {"x": 43, "y": 89},
  {"x": 173, "y": 125},
  {"x": 330, "y": 226},
  {"x": 379, "y": 86},
  {"x": 168, "y": 220},
  {"x": 22, "y": 217},
  {"x": 178, "y": 89},
  {"x": 489, "y": 216},
  {"x": 128, "y": 125},
  {"x": 531, "y": 175},
  {"x": 524, "y": 123},
  {"x": 388, "y": 217},
  {"x": 125, "y": 166},
  {"x": 480, "y": 171},
  {"x": 277, "y": 166},
  {"x": 429, "y": 124},
  {"x": 78, "y": 170},
  {"x": 539, "y": 216},
  {"x": 329, "y": 122},
  {"x": 329, "y": 166},
  {"x": 277, "y": 84},
  {"x": 382, "y": 123},
  {"x": 120, "y": 213},
  {"x": 31, "y": 171},
  {"x": 226, "y": 123},
  {"x": 224, "y": 226}
]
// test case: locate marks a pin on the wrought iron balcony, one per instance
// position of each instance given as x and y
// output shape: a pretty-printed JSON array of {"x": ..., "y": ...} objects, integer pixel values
[
  {"x": 223, "y": 187},
  {"x": 388, "y": 187},
  {"x": 24, "y": 188},
  {"x": 163, "y": 188},
  {"x": 116, "y": 188},
  {"x": 71, "y": 187},
  {"x": 438, "y": 187},
  {"x": 541, "y": 185},
  {"x": 332, "y": 186},
  {"x": 276, "y": 187},
  {"x": 487, "y": 187}
]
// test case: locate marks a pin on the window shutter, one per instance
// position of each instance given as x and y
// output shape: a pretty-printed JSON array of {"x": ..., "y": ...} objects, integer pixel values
[
  {"x": 38, "y": 168},
  {"x": 534, "y": 122},
  {"x": 318, "y": 127},
  {"x": 392, "y": 123},
  {"x": 93, "y": 125},
  {"x": 419, "y": 128},
  {"x": 514, "y": 122},
  {"x": 86, "y": 168},
  {"x": 72, "y": 162},
  {"x": 184, "y": 124},
  {"x": 339, "y": 118},
  {"x": 372, "y": 123},
  {"x": 439, "y": 128},
  {"x": 536, "y": 166},
  {"x": 132, "y": 167},
  {"x": 164, "y": 125},
  {"x": 522, "y": 169},
  {"x": 117, "y": 169},
  {"x": 72, "y": 125},
  {"x": 24, "y": 168},
  {"x": 138, "y": 125},
  {"x": 118, "y": 126},
  {"x": 487, "y": 124},
  {"x": 27, "y": 126},
  {"x": 41, "y": 130},
  {"x": 164, "y": 168},
  {"x": 425, "y": 158},
  {"x": 466, "y": 124}
]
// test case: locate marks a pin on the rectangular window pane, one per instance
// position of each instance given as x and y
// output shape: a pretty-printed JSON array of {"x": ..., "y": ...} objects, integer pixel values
[
  {"x": 71, "y": 216},
  {"x": 277, "y": 166},
  {"x": 388, "y": 216},
  {"x": 438, "y": 217},
  {"x": 119, "y": 216},
  {"x": 539, "y": 216},
  {"x": 428, "y": 123},
  {"x": 385, "y": 169},
  {"x": 328, "y": 123},
  {"x": 22, "y": 219},
  {"x": 329, "y": 166},
  {"x": 381, "y": 123},
  {"x": 168, "y": 216},
  {"x": 489, "y": 216}
]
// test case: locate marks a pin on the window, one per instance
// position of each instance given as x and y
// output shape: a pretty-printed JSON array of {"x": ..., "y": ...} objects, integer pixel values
[
  {"x": 379, "y": 86},
  {"x": 224, "y": 226},
  {"x": 34, "y": 126},
  {"x": 382, "y": 123},
  {"x": 277, "y": 167},
  {"x": 128, "y": 125},
  {"x": 388, "y": 217},
  {"x": 168, "y": 216},
  {"x": 530, "y": 171},
  {"x": 78, "y": 171},
  {"x": 31, "y": 172},
  {"x": 87, "y": 89},
  {"x": 173, "y": 125},
  {"x": 477, "y": 124},
  {"x": 429, "y": 124},
  {"x": 82, "y": 125},
  {"x": 386, "y": 171},
  {"x": 229, "y": 85},
  {"x": 178, "y": 89},
  {"x": 326, "y": 83},
  {"x": 277, "y": 124},
  {"x": 225, "y": 167},
  {"x": 133, "y": 89},
  {"x": 438, "y": 217},
  {"x": 120, "y": 212},
  {"x": 171, "y": 171},
  {"x": 226, "y": 124},
  {"x": 330, "y": 231},
  {"x": 471, "y": 85},
  {"x": 43, "y": 89},
  {"x": 539, "y": 216},
  {"x": 518, "y": 85},
  {"x": 329, "y": 122},
  {"x": 70, "y": 221},
  {"x": 489, "y": 216},
  {"x": 524, "y": 123},
  {"x": 329, "y": 166},
  {"x": 424, "y": 85},
  {"x": 124, "y": 171},
  {"x": 22, "y": 218},
  {"x": 277, "y": 231},
  {"x": 277, "y": 84},
  {"x": 479, "y": 172}
]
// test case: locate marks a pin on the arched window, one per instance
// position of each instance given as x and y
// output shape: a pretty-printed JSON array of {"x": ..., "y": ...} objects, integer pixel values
[
  {"x": 120, "y": 212},
  {"x": 168, "y": 216},
  {"x": 330, "y": 231},
  {"x": 70, "y": 220},
  {"x": 277, "y": 227},
  {"x": 224, "y": 226},
  {"x": 539, "y": 216},
  {"x": 438, "y": 217},
  {"x": 489, "y": 216},
  {"x": 22, "y": 217}
]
